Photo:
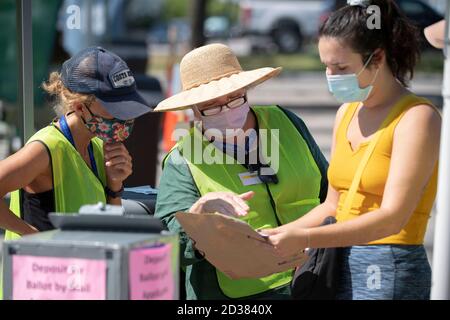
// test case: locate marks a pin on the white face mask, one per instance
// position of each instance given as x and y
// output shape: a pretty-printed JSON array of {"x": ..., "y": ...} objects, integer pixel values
[{"x": 230, "y": 119}]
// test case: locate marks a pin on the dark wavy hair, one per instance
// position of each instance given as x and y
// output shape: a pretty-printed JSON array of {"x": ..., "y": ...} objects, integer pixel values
[{"x": 398, "y": 36}]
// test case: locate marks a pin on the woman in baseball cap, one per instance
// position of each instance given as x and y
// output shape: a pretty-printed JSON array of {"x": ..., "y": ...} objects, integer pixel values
[{"x": 79, "y": 158}]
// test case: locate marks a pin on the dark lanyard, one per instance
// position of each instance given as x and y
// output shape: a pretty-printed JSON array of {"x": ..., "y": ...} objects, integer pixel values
[{"x": 66, "y": 131}]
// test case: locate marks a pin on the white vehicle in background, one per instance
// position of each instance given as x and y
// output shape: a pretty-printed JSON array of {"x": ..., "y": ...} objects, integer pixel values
[{"x": 287, "y": 22}]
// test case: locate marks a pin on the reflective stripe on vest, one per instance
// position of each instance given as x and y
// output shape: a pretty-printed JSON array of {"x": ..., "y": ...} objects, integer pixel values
[
  {"x": 296, "y": 193},
  {"x": 74, "y": 183}
]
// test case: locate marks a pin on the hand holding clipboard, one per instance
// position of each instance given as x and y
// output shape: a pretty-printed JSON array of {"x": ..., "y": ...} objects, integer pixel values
[{"x": 233, "y": 247}]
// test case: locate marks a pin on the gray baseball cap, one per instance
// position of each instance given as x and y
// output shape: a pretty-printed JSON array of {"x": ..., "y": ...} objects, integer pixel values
[{"x": 102, "y": 73}]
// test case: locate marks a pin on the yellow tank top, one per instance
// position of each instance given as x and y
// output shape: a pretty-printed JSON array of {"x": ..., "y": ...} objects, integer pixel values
[{"x": 369, "y": 194}]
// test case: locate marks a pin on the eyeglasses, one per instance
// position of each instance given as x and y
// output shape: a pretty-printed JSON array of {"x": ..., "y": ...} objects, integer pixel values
[
  {"x": 102, "y": 119},
  {"x": 233, "y": 104}
]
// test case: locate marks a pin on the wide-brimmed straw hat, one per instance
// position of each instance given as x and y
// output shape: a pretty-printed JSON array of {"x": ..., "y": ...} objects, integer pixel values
[
  {"x": 212, "y": 72},
  {"x": 435, "y": 34}
]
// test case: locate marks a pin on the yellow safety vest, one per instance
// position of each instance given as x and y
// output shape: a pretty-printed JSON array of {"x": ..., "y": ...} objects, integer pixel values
[
  {"x": 74, "y": 183},
  {"x": 296, "y": 193}
]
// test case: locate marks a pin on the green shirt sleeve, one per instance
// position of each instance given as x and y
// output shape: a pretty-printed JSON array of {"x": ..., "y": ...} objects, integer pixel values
[
  {"x": 177, "y": 192},
  {"x": 317, "y": 154}
]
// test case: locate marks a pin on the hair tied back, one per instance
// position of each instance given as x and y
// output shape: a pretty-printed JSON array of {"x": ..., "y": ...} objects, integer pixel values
[{"x": 362, "y": 3}]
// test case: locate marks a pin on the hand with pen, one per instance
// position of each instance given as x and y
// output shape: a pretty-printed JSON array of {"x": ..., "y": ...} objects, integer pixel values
[{"x": 227, "y": 203}]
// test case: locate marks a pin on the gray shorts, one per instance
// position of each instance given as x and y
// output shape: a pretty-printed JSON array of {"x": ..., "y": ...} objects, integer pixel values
[{"x": 384, "y": 272}]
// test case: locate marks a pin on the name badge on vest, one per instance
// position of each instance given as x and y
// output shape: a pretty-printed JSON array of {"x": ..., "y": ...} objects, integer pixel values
[{"x": 249, "y": 178}]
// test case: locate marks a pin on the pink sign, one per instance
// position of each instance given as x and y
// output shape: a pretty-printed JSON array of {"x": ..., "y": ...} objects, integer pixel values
[
  {"x": 47, "y": 278},
  {"x": 151, "y": 274}
]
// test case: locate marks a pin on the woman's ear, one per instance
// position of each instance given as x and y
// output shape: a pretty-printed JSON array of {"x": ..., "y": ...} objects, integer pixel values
[
  {"x": 78, "y": 108},
  {"x": 379, "y": 57}
]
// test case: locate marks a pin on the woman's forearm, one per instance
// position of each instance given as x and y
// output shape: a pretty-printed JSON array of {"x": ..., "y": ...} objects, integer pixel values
[
  {"x": 313, "y": 218},
  {"x": 366, "y": 228},
  {"x": 9, "y": 221}
]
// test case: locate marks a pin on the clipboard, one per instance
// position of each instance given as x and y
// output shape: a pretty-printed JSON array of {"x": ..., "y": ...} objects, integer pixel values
[{"x": 233, "y": 247}]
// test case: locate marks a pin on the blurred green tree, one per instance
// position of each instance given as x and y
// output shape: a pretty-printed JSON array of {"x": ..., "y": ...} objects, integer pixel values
[
  {"x": 45, "y": 14},
  {"x": 175, "y": 9},
  {"x": 180, "y": 8},
  {"x": 227, "y": 8}
]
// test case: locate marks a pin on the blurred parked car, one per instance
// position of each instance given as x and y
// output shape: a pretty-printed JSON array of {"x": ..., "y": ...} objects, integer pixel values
[
  {"x": 287, "y": 22},
  {"x": 418, "y": 11}
]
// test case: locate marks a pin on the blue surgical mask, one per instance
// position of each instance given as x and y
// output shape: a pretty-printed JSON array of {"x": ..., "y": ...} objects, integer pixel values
[{"x": 345, "y": 87}]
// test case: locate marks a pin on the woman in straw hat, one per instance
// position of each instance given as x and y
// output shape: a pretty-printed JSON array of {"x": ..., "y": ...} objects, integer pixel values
[{"x": 230, "y": 172}]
